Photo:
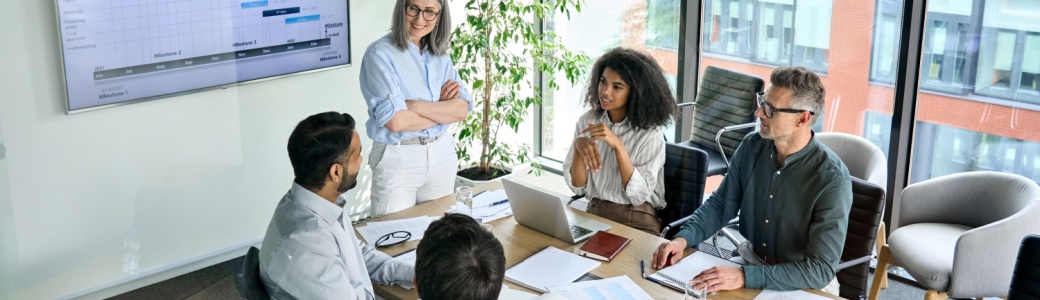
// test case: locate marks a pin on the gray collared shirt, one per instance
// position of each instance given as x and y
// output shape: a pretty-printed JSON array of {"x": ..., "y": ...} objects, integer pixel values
[
  {"x": 796, "y": 217},
  {"x": 310, "y": 252}
]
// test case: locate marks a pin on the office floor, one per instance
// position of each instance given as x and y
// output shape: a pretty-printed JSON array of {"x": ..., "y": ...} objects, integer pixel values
[{"x": 218, "y": 281}]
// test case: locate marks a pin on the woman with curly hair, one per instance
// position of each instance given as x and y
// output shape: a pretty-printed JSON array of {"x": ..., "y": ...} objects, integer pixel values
[{"x": 618, "y": 152}]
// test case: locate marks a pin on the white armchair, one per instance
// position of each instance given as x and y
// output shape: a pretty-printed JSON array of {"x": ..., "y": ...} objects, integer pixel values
[
  {"x": 864, "y": 159},
  {"x": 957, "y": 235}
]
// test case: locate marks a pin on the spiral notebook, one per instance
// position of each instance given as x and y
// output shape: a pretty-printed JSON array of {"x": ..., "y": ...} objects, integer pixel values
[{"x": 675, "y": 276}]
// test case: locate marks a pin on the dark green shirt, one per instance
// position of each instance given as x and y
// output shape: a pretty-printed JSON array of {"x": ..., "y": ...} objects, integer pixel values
[{"x": 796, "y": 217}]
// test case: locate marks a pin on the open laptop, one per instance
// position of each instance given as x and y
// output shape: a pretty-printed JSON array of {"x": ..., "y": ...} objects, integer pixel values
[{"x": 545, "y": 212}]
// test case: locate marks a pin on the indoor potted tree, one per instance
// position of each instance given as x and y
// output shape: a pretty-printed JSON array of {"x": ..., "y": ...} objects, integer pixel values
[{"x": 497, "y": 51}]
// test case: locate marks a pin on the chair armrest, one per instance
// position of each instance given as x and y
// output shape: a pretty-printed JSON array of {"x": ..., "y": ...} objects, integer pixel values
[
  {"x": 985, "y": 256},
  {"x": 727, "y": 234},
  {"x": 718, "y": 137},
  {"x": 846, "y": 264},
  {"x": 674, "y": 224},
  {"x": 574, "y": 198}
]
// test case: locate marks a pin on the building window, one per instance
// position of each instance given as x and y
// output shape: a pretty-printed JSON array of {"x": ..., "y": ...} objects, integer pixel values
[
  {"x": 948, "y": 56},
  {"x": 1009, "y": 59},
  {"x": 954, "y": 150},
  {"x": 877, "y": 128},
  {"x": 886, "y": 41},
  {"x": 775, "y": 32},
  {"x": 662, "y": 24},
  {"x": 728, "y": 29},
  {"x": 812, "y": 35}
]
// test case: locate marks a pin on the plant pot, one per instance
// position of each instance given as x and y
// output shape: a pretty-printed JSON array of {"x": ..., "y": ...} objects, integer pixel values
[{"x": 463, "y": 181}]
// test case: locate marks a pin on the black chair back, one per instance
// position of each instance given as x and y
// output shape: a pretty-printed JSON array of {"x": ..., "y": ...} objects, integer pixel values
[
  {"x": 250, "y": 285},
  {"x": 1025, "y": 281},
  {"x": 724, "y": 98},
  {"x": 684, "y": 176},
  {"x": 868, "y": 203}
]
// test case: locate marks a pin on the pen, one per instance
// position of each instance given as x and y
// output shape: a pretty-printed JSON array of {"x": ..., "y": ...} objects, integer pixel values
[
  {"x": 503, "y": 201},
  {"x": 642, "y": 267}
]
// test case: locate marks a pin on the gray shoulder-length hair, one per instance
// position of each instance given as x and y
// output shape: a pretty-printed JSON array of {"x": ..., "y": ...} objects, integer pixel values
[{"x": 437, "y": 41}]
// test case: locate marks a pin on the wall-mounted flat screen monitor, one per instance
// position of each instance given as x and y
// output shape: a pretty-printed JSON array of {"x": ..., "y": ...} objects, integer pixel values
[{"x": 122, "y": 51}]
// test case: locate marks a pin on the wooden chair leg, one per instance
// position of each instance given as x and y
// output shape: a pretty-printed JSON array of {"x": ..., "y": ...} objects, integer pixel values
[
  {"x": 933, "y": 295},
  {"x": 882, "y": 240},
  {"x": 879, "y": 272}
]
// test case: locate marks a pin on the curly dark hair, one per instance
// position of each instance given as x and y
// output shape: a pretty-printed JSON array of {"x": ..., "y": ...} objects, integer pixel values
[{"x": 650, "y": 101}]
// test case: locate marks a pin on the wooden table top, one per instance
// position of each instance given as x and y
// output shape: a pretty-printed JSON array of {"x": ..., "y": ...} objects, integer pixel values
[{"x": 520, "y": 242}]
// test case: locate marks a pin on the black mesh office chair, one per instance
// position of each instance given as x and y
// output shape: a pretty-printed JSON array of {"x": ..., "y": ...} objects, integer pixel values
[
  {"x": 249, "y": 284},
  {"x": 1025, "y": 281},
  {"x": 868, "y": 204},
  {"x": 724, "y": 114},
  {"x": 684, "y": 175}
]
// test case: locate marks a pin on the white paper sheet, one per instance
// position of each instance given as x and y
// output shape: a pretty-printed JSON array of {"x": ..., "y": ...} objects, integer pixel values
[
  {"x": 548, "y": 268},
  {"x": 483, "y": 211},
  {"x": 374, "y": 230},
  {"x": 788, "y": 295},
  {"x": 615, "y": 288}
]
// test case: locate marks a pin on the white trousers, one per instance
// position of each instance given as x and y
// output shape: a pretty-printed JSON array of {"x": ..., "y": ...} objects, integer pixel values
[{"x": 406, "y": 175}]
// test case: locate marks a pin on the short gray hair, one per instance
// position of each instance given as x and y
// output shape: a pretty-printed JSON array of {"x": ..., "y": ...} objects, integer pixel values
[
  {"x": 436, "y": 42},
  {"x": 805, "y": 85}
]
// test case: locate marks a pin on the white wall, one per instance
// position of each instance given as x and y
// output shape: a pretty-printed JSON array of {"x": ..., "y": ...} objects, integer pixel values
[{"x": 194, "y": 179}]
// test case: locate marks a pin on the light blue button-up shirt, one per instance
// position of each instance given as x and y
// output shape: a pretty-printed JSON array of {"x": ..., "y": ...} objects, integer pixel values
[
  {"x": 309, "y": 252},
  {"x": 389, "y": 76}
]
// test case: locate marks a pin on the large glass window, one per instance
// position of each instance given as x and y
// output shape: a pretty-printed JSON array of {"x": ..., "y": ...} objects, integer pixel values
[
  {"x": 651, "y": 26},
  {"x": 976, "y": 56},
  {"x": 662, "y": 24}
]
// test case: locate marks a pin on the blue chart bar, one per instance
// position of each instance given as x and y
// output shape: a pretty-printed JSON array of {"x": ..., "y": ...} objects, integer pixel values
[
  {"x": 254, "y": 4},
  {"x": 302, "y": 19},
  {"x": 281, "y": 11}
]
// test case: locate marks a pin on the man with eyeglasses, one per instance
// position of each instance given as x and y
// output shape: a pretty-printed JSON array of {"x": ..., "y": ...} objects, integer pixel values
[
  {"x": 310, "y": 250},
  {"x": 792, "y": 192}
]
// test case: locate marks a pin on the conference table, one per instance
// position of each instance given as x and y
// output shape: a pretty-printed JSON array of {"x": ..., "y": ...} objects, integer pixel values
[{"x": 520, "y": 242}]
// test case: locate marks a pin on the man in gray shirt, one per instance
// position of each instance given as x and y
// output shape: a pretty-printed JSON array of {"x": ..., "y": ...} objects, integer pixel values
[
  {"x": 792, "y": 192},
  {"x": 310, "y": 250}
]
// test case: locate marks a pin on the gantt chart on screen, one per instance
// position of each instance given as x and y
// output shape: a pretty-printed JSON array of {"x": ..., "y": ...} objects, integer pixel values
[{"x": 123, "y": 50}]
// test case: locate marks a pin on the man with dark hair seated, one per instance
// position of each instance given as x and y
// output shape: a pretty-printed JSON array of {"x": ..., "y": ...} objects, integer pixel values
[
  {"x": 310, "y": 250},
  {"x": 458, "y": 259}
]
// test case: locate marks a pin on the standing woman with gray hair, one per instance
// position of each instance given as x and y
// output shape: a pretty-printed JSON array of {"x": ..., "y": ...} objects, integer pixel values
[{"x": 413, "y": 94}]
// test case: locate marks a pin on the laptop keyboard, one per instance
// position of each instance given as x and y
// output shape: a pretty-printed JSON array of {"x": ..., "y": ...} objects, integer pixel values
[{"x": 578, "y": 231}]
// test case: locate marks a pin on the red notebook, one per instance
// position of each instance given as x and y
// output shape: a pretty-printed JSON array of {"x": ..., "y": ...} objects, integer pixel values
[{"x": 603, "y": 246}]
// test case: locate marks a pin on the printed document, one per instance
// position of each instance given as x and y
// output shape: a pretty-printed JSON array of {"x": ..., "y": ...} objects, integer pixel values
[{"x": 616, "y": 288}]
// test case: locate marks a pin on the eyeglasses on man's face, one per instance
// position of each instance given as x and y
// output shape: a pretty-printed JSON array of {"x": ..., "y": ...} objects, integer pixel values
[
  {"x": 769, "y": 110},
  {"x": 428, "y": 14},
  {"x": 393, "y": 238}
]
